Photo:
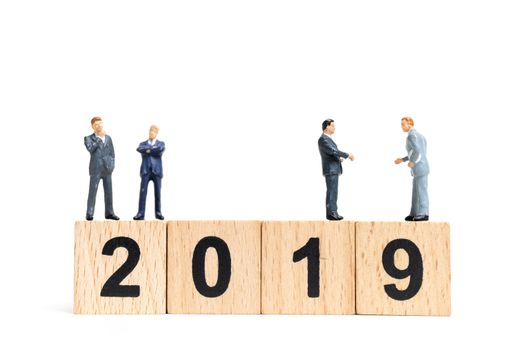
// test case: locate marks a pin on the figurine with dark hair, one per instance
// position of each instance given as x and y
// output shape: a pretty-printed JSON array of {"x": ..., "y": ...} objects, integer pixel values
[
  {"x": 416, "y": 147},
  {"x": 101, "y": 165},
  {"x": 150, "y": 170},
  {"x": 331, "y": 159}
]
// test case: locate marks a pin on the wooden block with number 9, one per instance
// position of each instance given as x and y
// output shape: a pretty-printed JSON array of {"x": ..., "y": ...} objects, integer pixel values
[
  {"x": 308, "y": 267},
  {"x": 120, "y": 267},
  {"x": 403, "y": 268}
]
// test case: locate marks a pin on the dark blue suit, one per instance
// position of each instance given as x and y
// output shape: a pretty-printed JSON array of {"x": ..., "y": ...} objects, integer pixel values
[
  {"x": 150, "y": 170},
  {"x": 332, "y": 168}
]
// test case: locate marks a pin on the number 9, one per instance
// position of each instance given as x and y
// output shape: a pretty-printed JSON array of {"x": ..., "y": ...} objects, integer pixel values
[{"x": 414, "y": 269}]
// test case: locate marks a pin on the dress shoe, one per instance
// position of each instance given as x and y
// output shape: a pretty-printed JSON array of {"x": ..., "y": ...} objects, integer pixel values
[
  {"x": 334, "y": 217},
  {"x": 112, "y": 217},
  {"x": 159, "y": 216},
  {"x": 409, "y": 218},
  {"x": 420, "y": 218},
  {"x": 89, "y": 217},
  {"x": 138, "y": 217}
]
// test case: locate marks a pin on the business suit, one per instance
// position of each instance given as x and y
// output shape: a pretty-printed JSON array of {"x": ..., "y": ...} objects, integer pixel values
[
  {"x": 332, "y": 168},
  {"x": 150, "y": 170},
  {"x": 416, "y": 146},
  {"x": 101, "y": 166}
]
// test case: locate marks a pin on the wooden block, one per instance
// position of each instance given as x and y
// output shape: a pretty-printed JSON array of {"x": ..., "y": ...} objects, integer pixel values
[
  {"x": 403, "y": 268},
  {"x": 322, "y": 278},
  {"x": 214, "y": 267},
  {"x": 120, "y": 267}
]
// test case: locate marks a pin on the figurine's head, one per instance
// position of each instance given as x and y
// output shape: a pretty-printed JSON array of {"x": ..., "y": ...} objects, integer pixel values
[
  {"x": 407, "y": 123},
  {"x": 153, "y": 131},
  {"x": 97, "y": 125},
  {"x": 329, "y": 126}
]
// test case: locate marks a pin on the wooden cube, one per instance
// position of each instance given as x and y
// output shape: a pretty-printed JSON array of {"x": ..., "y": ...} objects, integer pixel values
[
  {"x": 120, "y": 267},
  {"x": 214, "y": 267},
  {"x": 403, "y": 268},
  {"x": 308, "y": 267}
]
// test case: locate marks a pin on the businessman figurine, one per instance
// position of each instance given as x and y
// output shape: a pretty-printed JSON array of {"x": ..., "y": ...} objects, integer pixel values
[
  {"x": 150, "y": 170},
  {"x": 101, "y": 166},
  {"x": 331, "y": 158},
  {"x": 417, "y": 162}
]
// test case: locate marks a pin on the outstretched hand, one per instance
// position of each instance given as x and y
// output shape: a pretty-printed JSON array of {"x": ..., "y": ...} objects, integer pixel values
[{"x": 398, "y": 161}]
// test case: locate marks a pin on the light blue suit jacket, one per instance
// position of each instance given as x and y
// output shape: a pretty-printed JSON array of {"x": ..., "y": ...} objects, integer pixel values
[{"x": 417, "y": 153}]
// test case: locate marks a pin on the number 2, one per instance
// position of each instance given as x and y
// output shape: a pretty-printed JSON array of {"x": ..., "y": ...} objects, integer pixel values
[{"x": 112, "y": 287}]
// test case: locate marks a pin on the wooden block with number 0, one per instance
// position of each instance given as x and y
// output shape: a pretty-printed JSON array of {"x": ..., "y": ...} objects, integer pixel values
[
  {"x": 214, "y": 267},
  {"x": 120, "y": 267},
  {"x": 403, "y": 268},
  {"x": 308, "y": 267}
]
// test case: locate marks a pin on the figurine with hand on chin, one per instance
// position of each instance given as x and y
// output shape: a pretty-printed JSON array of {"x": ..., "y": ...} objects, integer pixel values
[
  {"x": 331, "y": 158},
  {"x": 416, "y": 147},
  {"x": 101, "y": 166},
  {"x": 150, "y": 170}
]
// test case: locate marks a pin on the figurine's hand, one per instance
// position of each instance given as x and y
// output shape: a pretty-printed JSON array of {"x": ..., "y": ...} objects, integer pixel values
[
  {"x": 398, "y": 161},
  {"x": 351, "y": 157},
  {"x": 148, "y": 151},
  {"x": 410, "y": 165},
  {"x": 341, "y": 159}
]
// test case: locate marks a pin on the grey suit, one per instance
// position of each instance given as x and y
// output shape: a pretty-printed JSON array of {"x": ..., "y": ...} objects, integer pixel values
[
  {"x": 330, "y": 157},
  {"x": 101, "y": 166},
  {"x": 417, "y": 153}
]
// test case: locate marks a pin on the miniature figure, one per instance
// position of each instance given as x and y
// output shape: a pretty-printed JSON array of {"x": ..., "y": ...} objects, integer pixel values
[
  {"x": 331, "y": 158},
  {"x": 101, "y": 165},
  {"x": 150, "y": 170},
  {"x": 417, "y": 162}
]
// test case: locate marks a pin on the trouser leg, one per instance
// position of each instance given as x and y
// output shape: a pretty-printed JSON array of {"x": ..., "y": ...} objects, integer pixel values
[
  {"x": 108, "y": 194},
  {"x": 332, "y": 183},
  {"x": 143, "y": 193},
  {"x": 420, "y": 192},
  {"x": 157, "y": 182},
  {"x": 92, "y": 196}
]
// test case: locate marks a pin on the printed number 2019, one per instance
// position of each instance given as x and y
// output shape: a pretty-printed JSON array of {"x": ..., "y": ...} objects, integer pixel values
[{"x": 310, "y": 251}]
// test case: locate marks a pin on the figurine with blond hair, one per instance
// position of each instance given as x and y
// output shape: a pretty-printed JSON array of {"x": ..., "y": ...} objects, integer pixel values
[
  {"x": 416, "y": 147},
  {"x": 150, "y": 170}
]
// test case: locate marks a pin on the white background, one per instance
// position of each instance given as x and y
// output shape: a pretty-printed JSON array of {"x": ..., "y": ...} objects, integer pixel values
[{"x": 239, "y": 89}]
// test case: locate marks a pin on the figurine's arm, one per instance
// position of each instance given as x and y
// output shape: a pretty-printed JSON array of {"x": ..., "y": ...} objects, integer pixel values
[
  {"x": 111, "y": 149},
  {"x": 158, "y": 149},
  {"x": 91, "y": 143},
  {"x": 143, "y": 148},
  {"x": 332, "y": 151},
  {"x": 415, "y": 155}
]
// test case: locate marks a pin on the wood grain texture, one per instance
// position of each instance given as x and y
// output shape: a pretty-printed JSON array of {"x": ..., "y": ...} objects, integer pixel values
[
  {"x": 244, "y": 243},
  {"x": 433, "y": 241},
  {"x": 92, "y": 268},
  {"x": 284, "y": 283}
]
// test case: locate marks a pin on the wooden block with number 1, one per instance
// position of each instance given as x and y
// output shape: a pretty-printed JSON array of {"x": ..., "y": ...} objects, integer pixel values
[
  {"x": 308, "y": 267},
  {"x": 403, "y": 268},
  {"x": 120, "y": 267}
]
